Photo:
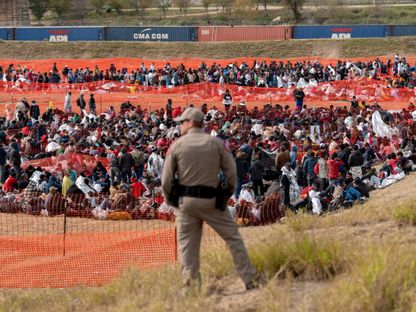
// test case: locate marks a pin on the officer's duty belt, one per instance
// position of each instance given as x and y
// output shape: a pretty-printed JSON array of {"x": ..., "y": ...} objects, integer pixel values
[{"x": 198, "y": 191}]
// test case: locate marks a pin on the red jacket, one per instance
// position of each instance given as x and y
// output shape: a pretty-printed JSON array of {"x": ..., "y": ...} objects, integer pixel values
[
  {"x": 137, "y": 189},
  {"x": 333, "y": 168},
  {"x": 10, "y": 184}
]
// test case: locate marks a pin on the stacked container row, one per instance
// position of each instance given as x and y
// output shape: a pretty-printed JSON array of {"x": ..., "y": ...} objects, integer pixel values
[
  {"x": 6, "y": 33},
  {"x": 339, "y": 32},
  {"x": 401, "y": 30},
  {"x": 204, "y": 33},
  {"x": 244, "y": 33},
  {"x": 59, "y": 34},
  {"x": 150, "y": 33}
]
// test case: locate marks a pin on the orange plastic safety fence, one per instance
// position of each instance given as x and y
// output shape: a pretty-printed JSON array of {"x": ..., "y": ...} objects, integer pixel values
[
  {"x": 133, "y": 63},
  {"x": 339, "y": 92},
  {"x": 75, "y": 161},
  {"x": 48, "y": 240},
  {"x": 113, "y": 93}
]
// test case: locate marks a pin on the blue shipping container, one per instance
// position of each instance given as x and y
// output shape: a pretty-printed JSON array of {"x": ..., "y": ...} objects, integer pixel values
[
  {"x": 6, "y": 33},
  {"x": 59, "y": 34},
  {"x": 401, "y": 30},
  {"x": 339, "y": 31},
  {"x": 150, "y": 33}
]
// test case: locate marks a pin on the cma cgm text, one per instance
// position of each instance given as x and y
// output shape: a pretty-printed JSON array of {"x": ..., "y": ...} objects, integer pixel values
[{"x": 151, "y": 36}]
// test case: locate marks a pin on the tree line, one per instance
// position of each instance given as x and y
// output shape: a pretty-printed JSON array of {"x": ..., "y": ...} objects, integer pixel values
[{"x": 82, "y": 7}]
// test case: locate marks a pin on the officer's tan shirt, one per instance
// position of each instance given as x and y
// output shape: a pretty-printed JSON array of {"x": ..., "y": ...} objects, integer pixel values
[{"x": 197, "y": 159}]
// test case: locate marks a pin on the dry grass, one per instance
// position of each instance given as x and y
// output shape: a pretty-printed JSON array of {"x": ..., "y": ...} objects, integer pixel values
[
  {"x": 405, "y": 214},
  {"x": 354, "y": 260}
]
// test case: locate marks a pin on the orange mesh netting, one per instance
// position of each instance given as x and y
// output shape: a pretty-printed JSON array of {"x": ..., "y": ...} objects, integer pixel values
[
  {"x": 155, "y": 97},
  {"x": 78, "y": 162},
  {"x": 113, "y": 93},
  {"x": 134, "y": 63},
  {"x": 67, "y": 241}
]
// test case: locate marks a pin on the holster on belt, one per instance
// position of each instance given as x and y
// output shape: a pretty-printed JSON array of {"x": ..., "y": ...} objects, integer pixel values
[
  {"x": 175, "y": 194},
  {"x": 197, "y": 191},
  {"x": 222, "y": 198}
]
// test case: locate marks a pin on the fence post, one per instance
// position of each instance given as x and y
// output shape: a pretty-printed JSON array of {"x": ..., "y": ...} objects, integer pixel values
[
  {"x": 64, "y": 234},
  {"x": 176, "y": 243}
]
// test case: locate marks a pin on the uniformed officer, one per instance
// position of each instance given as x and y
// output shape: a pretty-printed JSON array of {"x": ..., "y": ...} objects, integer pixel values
[{"x": 196, "y": 160}]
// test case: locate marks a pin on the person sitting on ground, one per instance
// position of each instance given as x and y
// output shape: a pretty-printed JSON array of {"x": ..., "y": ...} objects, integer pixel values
[
  {"x": 361, "y": 187},
  {"x": 403, "y": 163}
]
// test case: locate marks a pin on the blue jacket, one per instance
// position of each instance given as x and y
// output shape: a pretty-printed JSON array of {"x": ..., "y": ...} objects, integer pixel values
[
  {"x": 351, "y": 194},
  {"x": 309, "y": 165}
]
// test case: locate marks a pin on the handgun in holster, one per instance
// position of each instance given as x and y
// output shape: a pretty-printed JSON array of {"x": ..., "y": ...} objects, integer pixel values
[
  {"x": 175, "y": 193},
  {"x": 222, "y": 198}
]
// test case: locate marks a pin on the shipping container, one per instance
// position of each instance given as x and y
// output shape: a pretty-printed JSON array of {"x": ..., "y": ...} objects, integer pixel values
[
  {"x": 59, "y": 34},
  {"x": 6, "y": 33},
  {"x": 401, "y": 30},
  {"x": 339, "y": 31},
  {"x": 150, "y": 33},
  {"x": 244, "y": 33}
]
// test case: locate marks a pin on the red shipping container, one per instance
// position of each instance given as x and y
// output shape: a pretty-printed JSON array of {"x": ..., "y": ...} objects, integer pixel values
[{"x": 244, "y": 33}]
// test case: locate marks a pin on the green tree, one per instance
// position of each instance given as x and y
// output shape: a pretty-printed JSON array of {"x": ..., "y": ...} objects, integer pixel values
[
  {"x": 60, "y": 7},
  {"x": 132, "y": 4},
  {"x": 164, "y": 5},
  {"x": 206, "y": 4},
  {"x": 144, "y": 4},
  {"x": 39, "y": 8},
  {"x": 225, "y": 4},
  {"x": 295, "y": 6},
  {"x": 98, "y": 5},
  {"x": 241, "y": 7},
  {"x": 183, "y": 5},
  {"x": 264, "y": 3},
  {"x": 116, "y": 5}
]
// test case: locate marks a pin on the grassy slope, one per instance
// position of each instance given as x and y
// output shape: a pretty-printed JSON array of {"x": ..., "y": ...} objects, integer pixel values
[
  {"x": 355, "y": 260},
  {"x": 278, "y": 49}
]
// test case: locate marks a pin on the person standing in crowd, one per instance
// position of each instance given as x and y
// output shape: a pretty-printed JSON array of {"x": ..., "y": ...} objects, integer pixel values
[
  {"x": 334, "y": 169},
  {"x": 81, "y": 104},
  {"x": 309, "y": 166},
  {"x": 242, "y": 172},
  {"x": 169, "y": 109},
  {"x": 227, "y": 101},
  {"x": 257, "y": 171},
  {"x": 299, "y": 95},
  {"x": 288, "y": 177},
  {"x": 34, "y": 110},
  {"x": 281, "y": 158},
  {"x": 3, "y": 160},
  {"x": 322, "y": 170},
  {"x": 355, "y": 161},
  {"x": 196, "y": 159},
  {"x": 126, "y": 162},
  {"x": 67, "y": 102},
  {"x": 92, "y": 104},
  {"x": 14, "y": 158}
]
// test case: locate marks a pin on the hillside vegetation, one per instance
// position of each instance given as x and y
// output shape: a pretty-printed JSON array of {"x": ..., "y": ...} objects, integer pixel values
[
  {"x": 406, "y": 46},
  {"x": 219, "y": 12},
  {"x": 360, "y": 259}
]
